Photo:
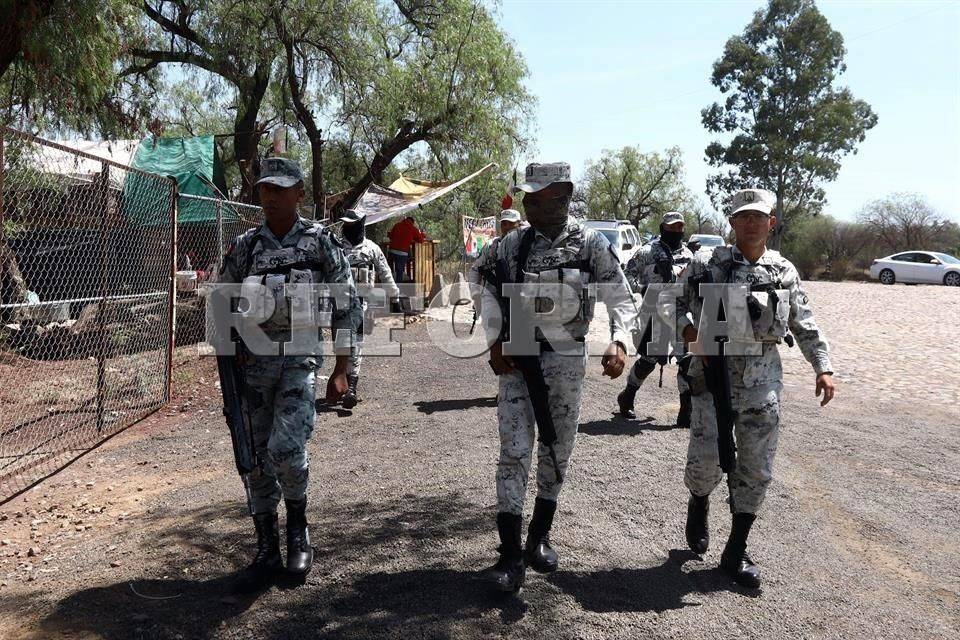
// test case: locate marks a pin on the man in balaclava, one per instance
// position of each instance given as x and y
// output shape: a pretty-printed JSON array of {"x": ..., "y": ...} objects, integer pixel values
[
  {"x": 370, "y": 269},
  {"x": 661, "y": 261},
  {"x": 554, "y": 248}
]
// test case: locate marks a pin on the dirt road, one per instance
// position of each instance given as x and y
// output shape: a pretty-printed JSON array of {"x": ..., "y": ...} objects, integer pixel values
[{"x": 857, "y": 538}]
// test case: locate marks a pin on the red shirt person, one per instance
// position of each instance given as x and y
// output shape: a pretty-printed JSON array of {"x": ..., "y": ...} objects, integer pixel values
[{"x": 403, "y": 236}]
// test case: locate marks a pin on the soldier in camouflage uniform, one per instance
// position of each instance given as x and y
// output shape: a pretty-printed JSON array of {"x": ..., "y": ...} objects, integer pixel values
[
  {"x": 478, "y": 273},
  {"x": 481, "y": 272},
  {"x": 370, "y": 269},
  {"x": 556, "y": 246},
  {"x": 661, "y": 261},
  {"x": 280, "y": 389},
  {"x": 776, "y": 305}
]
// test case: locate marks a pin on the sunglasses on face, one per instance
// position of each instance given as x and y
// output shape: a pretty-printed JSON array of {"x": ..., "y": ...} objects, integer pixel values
[{"x": 752, "y": 218}]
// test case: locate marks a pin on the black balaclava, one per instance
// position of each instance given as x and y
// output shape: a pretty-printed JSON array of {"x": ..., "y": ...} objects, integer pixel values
[
  {"x": 671, "y": 238},
  {"x": 355, "y": 232}
]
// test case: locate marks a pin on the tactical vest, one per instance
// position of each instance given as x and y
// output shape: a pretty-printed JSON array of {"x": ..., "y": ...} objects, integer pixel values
[
  {"x": 561, "y": 265},
  {"x": 274, "y": 268},
  {"x": 768, "y": 304},
  {"x": 361, "y": 265}
]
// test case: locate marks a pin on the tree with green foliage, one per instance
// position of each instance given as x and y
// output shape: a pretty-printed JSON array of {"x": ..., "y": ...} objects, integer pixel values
[
  {"x": 629, "y": 184},
  {"x": 452, "y": 86},
  {"x": 906, "y": 221},
  {"x": 57, "y": 66},
  {"x": 364, "y": 80},
  {"x": 218, "y": 43},
  {"x": 790, "y": 125}
]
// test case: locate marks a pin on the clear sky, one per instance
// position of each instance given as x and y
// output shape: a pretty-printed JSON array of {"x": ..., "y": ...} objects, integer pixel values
[{"x": 610, "y": 74}]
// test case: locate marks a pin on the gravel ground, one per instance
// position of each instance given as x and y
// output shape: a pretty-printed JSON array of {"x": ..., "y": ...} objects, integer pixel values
[{"x": 857, "y": 538}]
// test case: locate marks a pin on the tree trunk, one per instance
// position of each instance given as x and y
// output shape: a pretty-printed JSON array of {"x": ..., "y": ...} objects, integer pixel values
[
  {"x": 316, "y": 174},
  {"x": 21, "y": 19},
  {"x": 388, "y": 151},
  {"x": 13, "y": 287},
  {"x": 246, "y": 136},
  {"x": 245, "y": 141},
  {"x": 779, "y": 229}
]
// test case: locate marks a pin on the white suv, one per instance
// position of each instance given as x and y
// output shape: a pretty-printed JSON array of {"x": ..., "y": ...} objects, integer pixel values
[
  {"x": 622, "y": 236},
  {"x": 708, "y": 242}
]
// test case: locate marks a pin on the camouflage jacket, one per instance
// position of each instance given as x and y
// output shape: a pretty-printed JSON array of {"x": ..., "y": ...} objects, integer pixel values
[
  {"x": 370, "y": 266},
  {"x": 786, "y": 310},
  {"x": 643, "y": 266}
]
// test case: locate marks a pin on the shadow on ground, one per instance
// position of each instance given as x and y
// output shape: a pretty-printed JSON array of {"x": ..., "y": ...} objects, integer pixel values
[
  {"x": 358, "y": 588},
  {"x": 658, "y": 588},
  {"x": 620, "y": 426},
  {"x": 433, "y": 406}
]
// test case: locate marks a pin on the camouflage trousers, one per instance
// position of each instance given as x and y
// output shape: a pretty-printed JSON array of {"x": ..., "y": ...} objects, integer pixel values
[
  {"x": 281, "y": 397},
  {"x": 644, "y": 365},
  {"x": 639, "y": 372},
  {"x": 564, "y": 377},
  {"x": 356, "y": 356},
  {"x": 355, "y": 359},
  {"x": 756, "y": 431}
]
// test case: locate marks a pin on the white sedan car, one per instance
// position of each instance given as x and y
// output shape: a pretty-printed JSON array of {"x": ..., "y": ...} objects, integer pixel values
[{"x": 917, "y": 266}]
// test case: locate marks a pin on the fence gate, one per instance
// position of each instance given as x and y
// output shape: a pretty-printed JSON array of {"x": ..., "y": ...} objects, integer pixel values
[{"x": 86, "y": 303}]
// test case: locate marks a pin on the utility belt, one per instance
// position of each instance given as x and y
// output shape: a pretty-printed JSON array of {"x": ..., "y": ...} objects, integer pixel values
[{"x": 547, "y": 347}]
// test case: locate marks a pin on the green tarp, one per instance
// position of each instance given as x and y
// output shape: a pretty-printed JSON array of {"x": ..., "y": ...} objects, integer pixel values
[{"x": 196, "y": 165}]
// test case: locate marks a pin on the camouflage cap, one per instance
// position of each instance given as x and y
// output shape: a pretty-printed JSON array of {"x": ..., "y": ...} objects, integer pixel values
[
  {"x": 509, "y": 215},
  {"x": 540, "y": 176},
  {"x": 759, "y": 200},
  {"x": 351, "y": 216},
  {"x": 671, "y": 217},
  {"x": 282, "y": 172}
]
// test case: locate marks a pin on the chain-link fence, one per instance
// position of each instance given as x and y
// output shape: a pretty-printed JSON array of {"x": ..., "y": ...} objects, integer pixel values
[
  {"x": 86, "y": 255},
  {"x": 205, "y": 226}
]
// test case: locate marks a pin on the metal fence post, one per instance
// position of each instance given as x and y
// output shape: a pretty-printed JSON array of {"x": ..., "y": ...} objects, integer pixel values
[
  {"x": 3, "y": 171},
  {"x": 103, "y": 196},
  {"x": 219, "y": 211},
  {"x": 172, "y": 315}
]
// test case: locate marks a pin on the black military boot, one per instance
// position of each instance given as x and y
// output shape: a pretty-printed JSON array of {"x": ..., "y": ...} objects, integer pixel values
[
  {"x": 538, "y": 553},
  {"x": 683, "y": 416},
  {"x": 267, "y": 561},
  {"x": 735, "y": 560},
  {"x": 625, "y": 400},
  {"x": 508, "y": 573},
  {"x": 299, "y": 551},
  {"x": 697, "y": 530},
  {"x": 350, "y": 398}
]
